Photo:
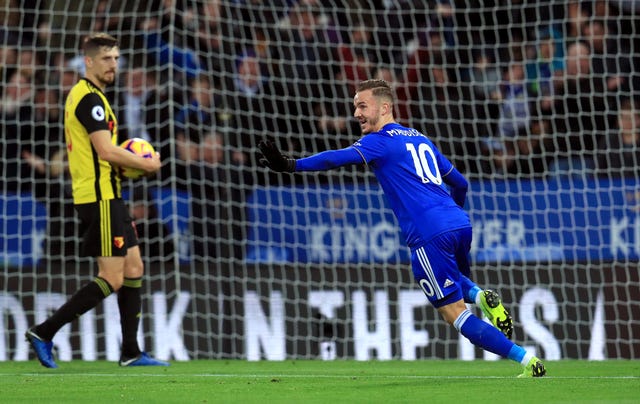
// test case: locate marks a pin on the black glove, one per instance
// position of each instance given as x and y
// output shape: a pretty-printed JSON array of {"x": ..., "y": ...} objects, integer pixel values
[{"x": 273, "y": 158}]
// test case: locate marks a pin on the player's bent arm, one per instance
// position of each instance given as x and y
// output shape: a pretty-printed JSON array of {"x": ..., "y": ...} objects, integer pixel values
[
  {"x": 107, "y": 151},
  {"x": 329, "y": 159},
  {"x": 458, "y": 185}
]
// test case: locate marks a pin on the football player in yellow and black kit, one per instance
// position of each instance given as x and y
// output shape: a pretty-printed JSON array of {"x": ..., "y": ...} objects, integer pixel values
[{"x": 91, "y": 132}]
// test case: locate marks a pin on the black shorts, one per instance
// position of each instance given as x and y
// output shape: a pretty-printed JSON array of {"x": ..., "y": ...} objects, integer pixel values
[{"x": 108, "y": 230}]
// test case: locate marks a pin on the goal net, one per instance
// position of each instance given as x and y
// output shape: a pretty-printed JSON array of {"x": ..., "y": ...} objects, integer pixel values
[{"x": 535, "y": 102}]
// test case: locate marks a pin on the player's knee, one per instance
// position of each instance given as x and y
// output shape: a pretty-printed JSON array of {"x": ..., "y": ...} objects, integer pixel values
[
  {"x": 449, "y": 318},
  {"x": 451, "y": 312},
  {"x": 134, "y": 269},
  {"x": 113, "y": 280}
]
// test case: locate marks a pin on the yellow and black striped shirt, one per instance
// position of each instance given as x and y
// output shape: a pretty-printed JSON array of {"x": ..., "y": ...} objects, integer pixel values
[{"x": 86, "y": 111}]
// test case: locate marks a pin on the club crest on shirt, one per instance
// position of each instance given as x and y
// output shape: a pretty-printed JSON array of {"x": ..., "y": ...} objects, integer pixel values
[
  {"x": 97, "y": 113},
  {"x": 118, "y": 241}
]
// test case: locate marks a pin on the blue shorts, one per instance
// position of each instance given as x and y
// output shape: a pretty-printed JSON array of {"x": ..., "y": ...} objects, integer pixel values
[{"x": 438, "y": 266}]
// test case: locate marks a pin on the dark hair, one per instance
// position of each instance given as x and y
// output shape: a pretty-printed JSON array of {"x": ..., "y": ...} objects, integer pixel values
[
  {"x": 92, "y": 43},
  {"x": 379, "y": 88}
]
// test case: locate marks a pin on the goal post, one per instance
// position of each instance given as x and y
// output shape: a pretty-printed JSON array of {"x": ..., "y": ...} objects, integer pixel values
[{"x": 535, "y": 102}]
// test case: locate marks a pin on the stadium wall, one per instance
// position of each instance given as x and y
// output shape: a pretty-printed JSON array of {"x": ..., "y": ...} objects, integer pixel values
[{"x": 336, "y": 312}]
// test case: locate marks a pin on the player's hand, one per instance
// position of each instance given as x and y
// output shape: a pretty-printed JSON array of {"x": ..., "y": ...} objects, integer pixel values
[
  {"x": 154, "y": 163},
  {"x": 272, "y": 157}
]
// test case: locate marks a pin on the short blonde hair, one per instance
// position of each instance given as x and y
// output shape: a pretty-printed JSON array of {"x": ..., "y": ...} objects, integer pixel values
[{"x": 379, "y": 88}]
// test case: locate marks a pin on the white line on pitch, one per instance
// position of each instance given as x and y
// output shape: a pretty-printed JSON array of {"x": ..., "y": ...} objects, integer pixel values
[{"x": 298, "y": 376}]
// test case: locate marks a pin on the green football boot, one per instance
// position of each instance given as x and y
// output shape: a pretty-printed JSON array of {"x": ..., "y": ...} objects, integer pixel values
[
  {"x": 493, "y": 309},
  {"x": 535, "y": 368}
]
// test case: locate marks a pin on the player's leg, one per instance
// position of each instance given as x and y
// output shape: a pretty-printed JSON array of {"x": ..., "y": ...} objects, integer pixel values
[
  {"x": 484, "y": 336},
  {"x": 94, "y": 220},
  {"x": 488, "y": 300},
  {"x": 82, "y": 301},
  {"x": 435, "y": 269},
  {"x": 491, "y": 304},
  {"x": 130, "y": 304}
]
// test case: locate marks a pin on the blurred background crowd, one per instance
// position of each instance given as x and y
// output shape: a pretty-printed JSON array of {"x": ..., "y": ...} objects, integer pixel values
[{"x": 510, "y": 90}]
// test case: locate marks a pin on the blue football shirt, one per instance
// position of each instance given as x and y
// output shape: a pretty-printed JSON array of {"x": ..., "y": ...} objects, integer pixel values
[{"x": 409, "y": 168}]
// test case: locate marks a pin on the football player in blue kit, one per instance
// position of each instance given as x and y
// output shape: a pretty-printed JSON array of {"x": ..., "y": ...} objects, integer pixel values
[{"x": 426, "y": 193}]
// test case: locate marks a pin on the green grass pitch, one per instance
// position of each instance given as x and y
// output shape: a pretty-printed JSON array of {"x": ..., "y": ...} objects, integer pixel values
[{"x": 315, "y": 381}]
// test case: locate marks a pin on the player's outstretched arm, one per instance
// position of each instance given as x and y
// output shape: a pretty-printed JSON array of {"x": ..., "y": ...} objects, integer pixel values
[{"x": 272, "y": 157}]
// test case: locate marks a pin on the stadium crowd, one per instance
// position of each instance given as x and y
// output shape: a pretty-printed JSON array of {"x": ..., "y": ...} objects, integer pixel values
[{"x": 204, "y": 81}]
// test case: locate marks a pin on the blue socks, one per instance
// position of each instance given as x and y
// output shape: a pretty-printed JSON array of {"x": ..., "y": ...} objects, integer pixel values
[
  {"x": 482, "y": 334},
  {"x": 487, "y": 337},
  {"x": 519, "y": 354}
]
